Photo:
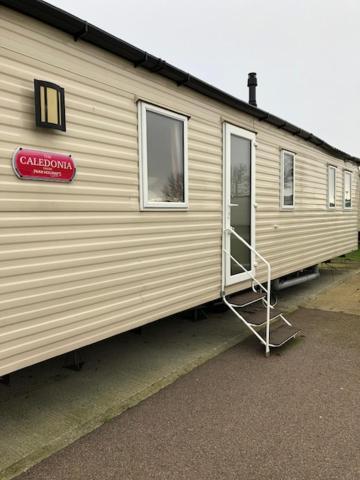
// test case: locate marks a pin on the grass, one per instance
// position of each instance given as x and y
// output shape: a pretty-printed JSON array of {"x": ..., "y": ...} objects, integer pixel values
[{"x": 355, "y": 255}]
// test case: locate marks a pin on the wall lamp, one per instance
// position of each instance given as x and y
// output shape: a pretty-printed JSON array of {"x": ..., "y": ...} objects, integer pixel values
[{"x": 49, "y": 105}]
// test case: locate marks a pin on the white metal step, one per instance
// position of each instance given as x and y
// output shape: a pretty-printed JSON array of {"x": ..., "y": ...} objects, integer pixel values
[
  {"x": 243, "y": 299},
  {"x": 281, "y": 335},
  {"x": 257, "y": 317}
]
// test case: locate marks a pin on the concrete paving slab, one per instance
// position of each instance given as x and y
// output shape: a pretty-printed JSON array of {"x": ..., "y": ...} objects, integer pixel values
[
  {"x": 308, "y": 293},
  {"x": 47, "y": 407},
  {"x": 347, "y": 298}
]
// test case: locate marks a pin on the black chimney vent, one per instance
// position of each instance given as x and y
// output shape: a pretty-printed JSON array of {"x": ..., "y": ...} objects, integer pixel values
[{"x": 252, "y": 84}]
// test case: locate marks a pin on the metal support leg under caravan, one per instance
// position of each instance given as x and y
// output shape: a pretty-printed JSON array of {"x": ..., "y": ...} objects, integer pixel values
[
  {"x": 76, "y": 363},
  {"x": 254, "y": 308}
]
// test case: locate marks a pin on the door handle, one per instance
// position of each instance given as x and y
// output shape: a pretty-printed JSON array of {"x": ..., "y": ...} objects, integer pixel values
[{"x": 233, "y": 204}]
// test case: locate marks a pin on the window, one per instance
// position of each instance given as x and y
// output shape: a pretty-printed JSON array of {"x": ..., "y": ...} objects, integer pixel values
[
  {"x": 163, "y": 157},
  {"x": 347, "y": 189},
  {"x": 287, "y": 179},
  {"x": 331, "y": 186}
]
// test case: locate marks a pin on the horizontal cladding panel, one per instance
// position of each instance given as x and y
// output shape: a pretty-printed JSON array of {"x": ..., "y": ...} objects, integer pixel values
[
  {"x": 82, "y": 190},
  {"x": 17, "y": 96},
  {"x": 297, "y": 262},
  {"x": 90, "y": 316},
  {"x": 295, "y": 241},
  {"x": 200, "y": 163},
  {"x": 119, "y": 116},
  {"x": 321, "y": 254},
  {"x": 80, "y": 262},
  {"x": 35, "y": 204},
  {"x": 39, "y": 219},
  {"x": 199, "y": 139},
  {"x": 101, "y": 131},
  {"x": 278, "y": 139},
  {"x": 76, "y": 340},
  {"x": 301, "y": 214},
  {"x": 92, "y": 205},
  {"x": 75, "y": 307},
  {"x": 106, "y": 281},
  {"x": 287, "y": 229},
  {"x": 16, "y": 137},
  {"x": 46, "y": 190},
  {"x": 272, "y": 246},
  {"x": 77, "y": 143},
  {"x": 111, "y": 171},
  {"x": 128, "y": 263},
  {"x": 144, "y": 232},
  {"x": 45, "y": 255},
  {"x": 18, "y": 65}
]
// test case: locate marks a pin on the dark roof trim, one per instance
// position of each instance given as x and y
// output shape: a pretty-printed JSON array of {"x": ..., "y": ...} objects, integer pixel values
[{"x": 89, "y": 33}]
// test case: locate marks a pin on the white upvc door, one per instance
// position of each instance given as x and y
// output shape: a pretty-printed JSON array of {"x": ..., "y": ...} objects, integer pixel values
[{"x": 239, "y": 202}]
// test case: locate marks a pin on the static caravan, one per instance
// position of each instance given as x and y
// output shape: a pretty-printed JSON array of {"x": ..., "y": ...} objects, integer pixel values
[{"x": 131, "y": 190}]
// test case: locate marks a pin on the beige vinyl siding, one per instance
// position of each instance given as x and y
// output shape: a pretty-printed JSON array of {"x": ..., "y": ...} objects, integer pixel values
[
  {"x": 357, "y": 205},
  {"x": 80, "y": 262},
  {"x": 311, "y": 232}
]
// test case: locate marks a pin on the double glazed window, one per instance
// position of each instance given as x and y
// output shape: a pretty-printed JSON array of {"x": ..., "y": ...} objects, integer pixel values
[
  {"x": 347, "y": 189},
  {"x": 287, "y": 179},
  {"x": 163, "y": 164},
  {"x": 163, "y": 153},
  {"x": 331, "y": 186}
]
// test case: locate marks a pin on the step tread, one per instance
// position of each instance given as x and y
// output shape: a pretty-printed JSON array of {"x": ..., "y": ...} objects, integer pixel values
[
  {"x": 244, "y": 298},
  {"x": 257, "y": 317},
  {"x": 279, "y": 336}
]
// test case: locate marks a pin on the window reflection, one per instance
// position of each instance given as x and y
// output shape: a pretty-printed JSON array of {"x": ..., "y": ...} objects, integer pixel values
[
  {"x": 347, "y": 190},
  {"x": 165, "y": 158},
  {"x": 288, "y": 185},
  {"x": 241, "y": 201},
  {"x": 331, "y": 186}
]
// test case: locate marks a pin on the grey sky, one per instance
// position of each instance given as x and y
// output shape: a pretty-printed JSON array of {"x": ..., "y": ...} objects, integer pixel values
[{"x": 306, "y": 53}]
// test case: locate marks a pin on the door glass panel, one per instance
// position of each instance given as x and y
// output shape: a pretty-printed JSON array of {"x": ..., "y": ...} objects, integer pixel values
[{"x": 241, "y": 201}]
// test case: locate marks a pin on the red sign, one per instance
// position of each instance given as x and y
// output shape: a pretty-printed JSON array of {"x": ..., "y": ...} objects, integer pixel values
[{"x": 37, "y": 165}]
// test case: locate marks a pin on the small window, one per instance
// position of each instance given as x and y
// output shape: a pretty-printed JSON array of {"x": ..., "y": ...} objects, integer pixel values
[
  {"x": 331, "y": 186},
  {"x": 287, "y": 179},
  {"x": 163, "y": 157},
  {"x": 347, "y": 189}
]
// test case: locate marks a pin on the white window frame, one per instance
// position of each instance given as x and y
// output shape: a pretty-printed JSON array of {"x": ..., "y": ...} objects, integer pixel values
[
  {"x": 282, "y": 179},
  {"x": 347, "y": 172},
  {"x": 143, "y": 108},
  {"x": 331, "y": 167}
]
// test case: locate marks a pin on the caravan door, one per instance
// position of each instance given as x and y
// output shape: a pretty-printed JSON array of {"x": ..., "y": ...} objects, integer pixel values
[{"x": 239, "y": 197}]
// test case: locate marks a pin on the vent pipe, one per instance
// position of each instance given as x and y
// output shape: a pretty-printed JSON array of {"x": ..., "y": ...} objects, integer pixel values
[{"x": 252, "y": 84}]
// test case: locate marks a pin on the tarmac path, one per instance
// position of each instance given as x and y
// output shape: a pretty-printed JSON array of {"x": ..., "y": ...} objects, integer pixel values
[{"x": 292, "y": 416}]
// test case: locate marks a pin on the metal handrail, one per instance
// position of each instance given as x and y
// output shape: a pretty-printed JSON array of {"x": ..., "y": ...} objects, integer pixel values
[
  {"x": 267, "y": 290},
  {"x": 246, "y": 271}
]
